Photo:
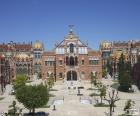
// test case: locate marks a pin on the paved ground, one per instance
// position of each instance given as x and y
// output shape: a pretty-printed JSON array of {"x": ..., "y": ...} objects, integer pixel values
[{"x": 72, "y": 105}]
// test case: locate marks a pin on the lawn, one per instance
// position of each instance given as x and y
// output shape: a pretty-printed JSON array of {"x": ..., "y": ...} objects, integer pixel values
[
  {"x": 1, "y": 98},
  {"x": 92, "y": 89},
  {"x": 53, "y": 90},
  {"x": 102, "y": 105},
  {"x": 115, "y": 85},
  {"x": 94, "y": 94},
  {"x": 51, "y": 95}
]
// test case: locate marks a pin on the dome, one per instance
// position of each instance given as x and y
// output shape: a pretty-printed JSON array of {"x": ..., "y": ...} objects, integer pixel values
[
  {"x": 37, "y": 45},
  {"x": 22, "y": 56},
  {"x": 105, "y": 45}
]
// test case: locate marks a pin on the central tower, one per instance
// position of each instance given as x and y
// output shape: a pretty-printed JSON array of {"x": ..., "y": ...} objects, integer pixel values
[{"x": 71, "y": 60}]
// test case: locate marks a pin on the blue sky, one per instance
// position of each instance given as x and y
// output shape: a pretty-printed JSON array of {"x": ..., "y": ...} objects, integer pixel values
[{"x": 48, "y": 20}]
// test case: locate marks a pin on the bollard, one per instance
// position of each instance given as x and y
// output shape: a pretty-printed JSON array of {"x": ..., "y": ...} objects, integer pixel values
[{"x": 54, "y": 107}]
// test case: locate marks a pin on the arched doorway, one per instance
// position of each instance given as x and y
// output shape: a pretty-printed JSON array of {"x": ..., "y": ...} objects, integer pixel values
[{"x": 71, "y": 76}]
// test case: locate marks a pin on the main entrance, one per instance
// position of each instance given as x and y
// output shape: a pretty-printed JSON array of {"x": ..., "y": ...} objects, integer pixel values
[{"x": 71, "y": 75}]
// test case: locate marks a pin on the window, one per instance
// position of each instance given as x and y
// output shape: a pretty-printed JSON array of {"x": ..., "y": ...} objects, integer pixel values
[
  {"x": 60, "y": 75},
  {"x": 49, "y": 63},
  {"x": 93, "y": 62},
  {"x": 83, "y": 62},
  {"x": 71, "y": 61},
  {"x": 71, "y": 48},
  {"x": 35, "y": 55}
]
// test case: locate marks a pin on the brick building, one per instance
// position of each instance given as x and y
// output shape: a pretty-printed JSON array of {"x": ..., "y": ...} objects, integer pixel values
[
  {"x": 71, "y": 59},
  {"x": 111, "y": 51},
  {"x": 20, "y": 58}
]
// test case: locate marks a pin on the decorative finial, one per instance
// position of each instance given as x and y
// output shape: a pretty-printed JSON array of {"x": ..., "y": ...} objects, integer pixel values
[{"x": 71, "y": 28}]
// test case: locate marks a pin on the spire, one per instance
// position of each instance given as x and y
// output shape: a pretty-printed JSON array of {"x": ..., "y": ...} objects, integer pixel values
[
  {"x": 71, "y": 29},
  {"x": 71, "y": 32}
]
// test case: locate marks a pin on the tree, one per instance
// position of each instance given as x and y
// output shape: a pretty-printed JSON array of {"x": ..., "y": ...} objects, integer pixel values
[
  {"x": 136, "y": 73},
  {"x": 14, "y": 111},
  {"x": 102, "y": 90},
  {"x": 129, "y": 104},
  {"x": 124, "y": 69},
  {"x": 50, "y": 81},
  {"x": 40, "y": 75},
  {"x": 33, "y": 96},
  {"x": 104, "y": 73},
  {"x": 109, "y": 67},
  {"x": 20, "y": 81},
  {"x": 93, "y": 79},
  {"x": 111, "y": 100}
]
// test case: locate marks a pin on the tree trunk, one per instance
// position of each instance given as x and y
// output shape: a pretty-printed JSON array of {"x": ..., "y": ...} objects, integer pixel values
[
  {"x": 101, "y": 99},
  {"x": 110, "y": 110},
  {"x": 113, "y": 108},
  {"x": 33, "y": 111},
  {"x": 30, "y": 110}
]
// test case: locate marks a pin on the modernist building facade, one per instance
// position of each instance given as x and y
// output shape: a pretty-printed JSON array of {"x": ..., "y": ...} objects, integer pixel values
[
  {"x": 19, "y": 58},
  {"x": 111, "y": 51},
  {"x": 71, "y": 59}
]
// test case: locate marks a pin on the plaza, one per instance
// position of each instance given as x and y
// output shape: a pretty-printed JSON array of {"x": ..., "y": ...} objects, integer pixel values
[{"x": 72, "y": 105}]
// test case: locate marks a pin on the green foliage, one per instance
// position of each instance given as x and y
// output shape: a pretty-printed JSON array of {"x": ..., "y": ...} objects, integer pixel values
[
  {"x": 104, "y": 72},
  {"x": 102, "y": 91},
  {"x": 45, "y": 106},
  {"x": 53, "y": 90},
  {"x": 108, "y": 66},
  {"x": 102, "y": 105},
  {"x": 99, "y": 85},
  {"x": 40, "y": 75},
  {"x": 94, "y": 79},
  {"x": 124, "y": 69},
  {"x": 14, "y": 111},
  {"x": 125, "y": 83},
  {"x": 20, "y": 81},
  {"x": 92, "y": 89},
  {"x": 51, "y": 95},
  {"x": 115, "y": 85},
  {"x": 136, "y": 73},
  {"x": 94, "y": 94},
  {"x": 129, "y": 104},
  {"x": 1, "y": 98},
  {"x": 33, "y": 96},
  {"x": 50, "y": 81}
]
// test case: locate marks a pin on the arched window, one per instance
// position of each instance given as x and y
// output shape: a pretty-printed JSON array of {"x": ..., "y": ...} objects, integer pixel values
[
  {"x": 71, "y": 48},
  {"x": 71, "y": 61}
]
